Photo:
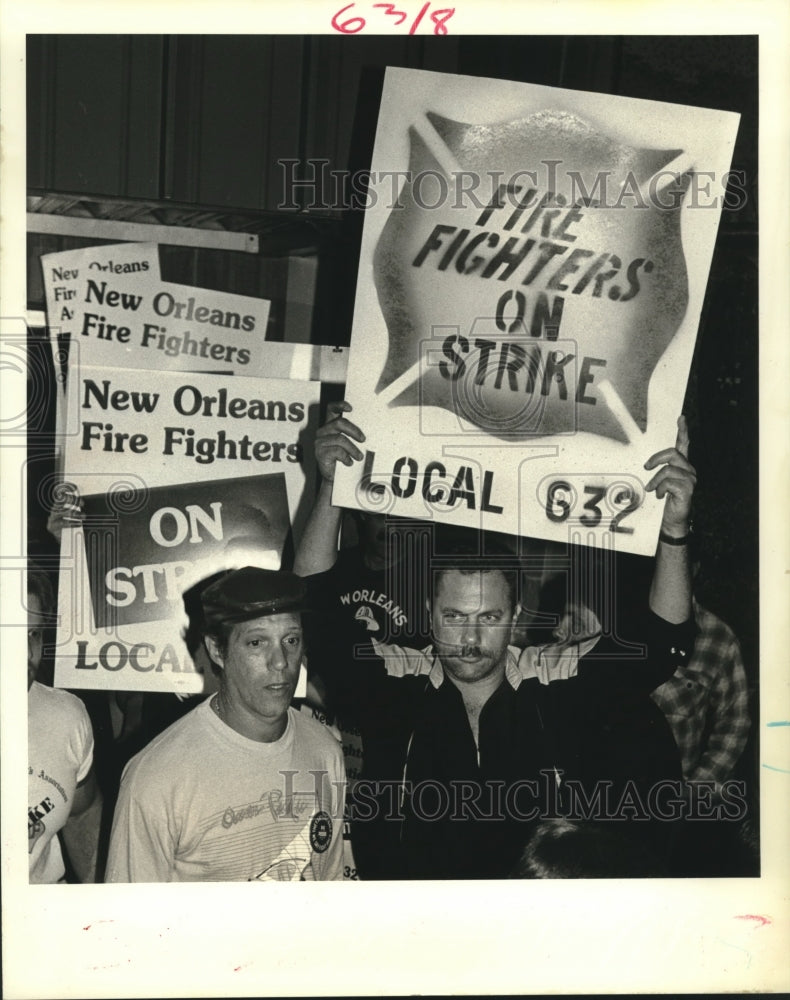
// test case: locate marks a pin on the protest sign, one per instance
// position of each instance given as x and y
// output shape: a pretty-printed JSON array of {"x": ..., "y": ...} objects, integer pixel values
[
  {"x": 527, "y": 305},
  {"x": 119, "y": 313},
  {"x": 144, "y": 553},
  {"x": 199, "y": 474},
  {"x": 64, "y": 276}
]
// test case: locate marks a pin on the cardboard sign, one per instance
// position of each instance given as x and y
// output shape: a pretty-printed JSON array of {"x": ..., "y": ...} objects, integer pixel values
[
  {"x": 527, "y": 306},
  {"x": 120, "y": 314},
  {"x": 65, "y": 275},
  {"x": 143, "y": 553},
  {"x": 147, "y": 554},
  {"x": 197, "y": 474}
]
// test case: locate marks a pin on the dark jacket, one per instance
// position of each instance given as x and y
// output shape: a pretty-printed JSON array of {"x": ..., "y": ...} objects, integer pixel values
[{"x": 428, "y": 806}]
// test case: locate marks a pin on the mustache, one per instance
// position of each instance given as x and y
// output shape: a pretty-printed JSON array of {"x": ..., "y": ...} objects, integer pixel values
[
  {"x": 471, "y": 651},
  {"x": 462, "y": 650}
]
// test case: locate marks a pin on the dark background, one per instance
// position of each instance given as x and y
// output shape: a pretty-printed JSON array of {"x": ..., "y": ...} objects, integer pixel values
[{"x": 199, "y": 122}]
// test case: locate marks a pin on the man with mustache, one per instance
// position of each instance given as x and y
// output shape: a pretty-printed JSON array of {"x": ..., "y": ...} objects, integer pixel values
[{"x": 467, "y": 745}]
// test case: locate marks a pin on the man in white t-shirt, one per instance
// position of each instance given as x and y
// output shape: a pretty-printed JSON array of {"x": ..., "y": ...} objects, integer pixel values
[
  {"x": 244, "y": 787},
  {"x": 62, "y": 795}
]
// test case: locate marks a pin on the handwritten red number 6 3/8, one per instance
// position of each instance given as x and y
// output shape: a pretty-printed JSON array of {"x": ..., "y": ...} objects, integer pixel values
[{"x": 354, "y": 24}]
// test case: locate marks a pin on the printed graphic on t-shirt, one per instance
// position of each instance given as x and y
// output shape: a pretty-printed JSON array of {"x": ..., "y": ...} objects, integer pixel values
[
  {"x": 277, "y": 826},
  {"x": 364, "y": 614},
  {"x": 34, "y": 830},
  {"x": 55, "y": 784},
  {"x": 290, "y": 863},
  {"x": 367, "y": 601},
  {"x": 35, "y": 821},
  {"x": 320, "y": 832},
  {"x": 351, "y": 745}
]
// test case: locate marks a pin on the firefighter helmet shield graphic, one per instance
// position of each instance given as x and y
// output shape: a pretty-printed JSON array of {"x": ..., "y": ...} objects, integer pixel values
[
  {"x": 365, "y": 614},
  {"x": 532, "y": 273},
  {"x": 577, "y": 283}
]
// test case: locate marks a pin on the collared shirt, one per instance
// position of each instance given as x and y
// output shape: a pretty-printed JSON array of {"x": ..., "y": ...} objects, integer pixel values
[
  {"x": 706, "y": 702},
  {"x": 403, "y": 662},
  {"x": 546, "y": 663},
  {"x": 555, "y": 661}
]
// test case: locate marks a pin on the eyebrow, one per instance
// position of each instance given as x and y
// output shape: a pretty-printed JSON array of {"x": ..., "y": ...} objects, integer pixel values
[
  {"x": 485, "y": 611},
  {"x": 266, "y": 630}
]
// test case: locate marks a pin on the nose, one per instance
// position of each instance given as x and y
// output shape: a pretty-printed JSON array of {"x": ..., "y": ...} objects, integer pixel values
[
  {"x": 470, "y": 634},
  {"x": 277, "y": 659}
]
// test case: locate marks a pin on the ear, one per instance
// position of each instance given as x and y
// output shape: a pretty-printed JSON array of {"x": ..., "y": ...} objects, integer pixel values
[
  {"x": 516, "y": 612},
  {"x": 214, "y": 650},
  {"x": 300, "y": 691}
]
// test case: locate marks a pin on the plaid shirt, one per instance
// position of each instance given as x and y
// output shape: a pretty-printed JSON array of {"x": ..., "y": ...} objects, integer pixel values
[{"x": 706, "y": 702}]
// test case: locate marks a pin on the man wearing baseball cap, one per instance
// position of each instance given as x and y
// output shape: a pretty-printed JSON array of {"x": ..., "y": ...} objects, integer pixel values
[{"x": 244, "y": 787}]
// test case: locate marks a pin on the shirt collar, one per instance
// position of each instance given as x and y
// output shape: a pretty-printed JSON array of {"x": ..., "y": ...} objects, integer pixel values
[
  {"x": 512, "y": 673},
  {"x": 553, "y": 662}
]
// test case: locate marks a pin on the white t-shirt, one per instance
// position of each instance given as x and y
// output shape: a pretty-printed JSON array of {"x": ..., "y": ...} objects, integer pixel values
[
  {"x": 59, "y": 757},
  {"x": 202, "y": 803}
]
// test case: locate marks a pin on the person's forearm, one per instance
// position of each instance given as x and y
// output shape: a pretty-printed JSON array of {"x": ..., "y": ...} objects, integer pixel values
[
  {"x": 670, "y": 591},
  {"x": 317, "y": 550},
  {"x": 81, "y": 837}
]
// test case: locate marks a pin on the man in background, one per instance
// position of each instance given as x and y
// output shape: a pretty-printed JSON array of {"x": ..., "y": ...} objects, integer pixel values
[{"x": 63, "y": 798}]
